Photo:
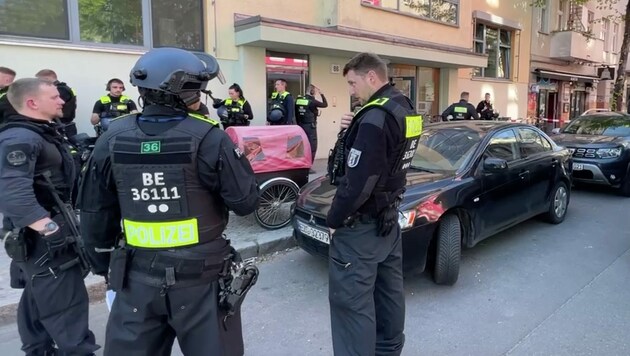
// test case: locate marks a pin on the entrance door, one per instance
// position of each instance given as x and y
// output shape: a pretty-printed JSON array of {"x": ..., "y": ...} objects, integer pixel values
[
  {"x": 578, "y": 103},
  {"x": 291, "y": 67},
  {"x": 552, "y": 104}
]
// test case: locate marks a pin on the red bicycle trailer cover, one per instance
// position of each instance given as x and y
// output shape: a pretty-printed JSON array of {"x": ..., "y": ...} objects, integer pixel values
[{"x": 272, "y": 148}]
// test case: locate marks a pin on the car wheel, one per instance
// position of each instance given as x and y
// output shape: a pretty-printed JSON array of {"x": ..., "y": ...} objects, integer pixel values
[
  {"x": 448, "y": 250},
  {"x": 559, "y": 204},
  {"x": 624, "y": 189}
]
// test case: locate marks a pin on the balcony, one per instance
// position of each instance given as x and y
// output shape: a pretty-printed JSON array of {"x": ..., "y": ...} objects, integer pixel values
[{"x": 575, "y": 46}]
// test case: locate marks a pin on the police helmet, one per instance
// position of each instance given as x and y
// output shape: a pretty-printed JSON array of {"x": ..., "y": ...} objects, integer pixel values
[
  {"x": 276, "y": 115},
  {"x": 175, "y": 71},
  {"x": 222, "y": 112}
]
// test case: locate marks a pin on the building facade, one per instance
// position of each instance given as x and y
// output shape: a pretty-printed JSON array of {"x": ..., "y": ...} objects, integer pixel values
[
  {"x": 574, "y": 50},
  {"x": 435, "y": 49}
]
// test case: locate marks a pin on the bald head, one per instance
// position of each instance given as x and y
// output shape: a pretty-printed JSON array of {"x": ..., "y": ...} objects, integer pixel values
[{"x": 35, "y": 98}]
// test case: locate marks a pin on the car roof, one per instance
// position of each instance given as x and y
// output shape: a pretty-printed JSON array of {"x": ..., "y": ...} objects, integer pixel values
[
  {"x": 482, "y": 127},
  {"x": 601, "y": 114}
]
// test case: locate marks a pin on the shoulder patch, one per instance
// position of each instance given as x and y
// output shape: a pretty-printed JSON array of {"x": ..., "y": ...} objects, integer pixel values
[
  {"x": 238, "y": 153},
  {"x": 17, "y": 158},
  {"x": 354, "y": 157}
]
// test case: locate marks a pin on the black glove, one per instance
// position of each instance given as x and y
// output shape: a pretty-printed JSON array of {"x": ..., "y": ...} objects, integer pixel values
[
  {"x": 386, "y": 221},
  {"x": 217, "y": 101}
]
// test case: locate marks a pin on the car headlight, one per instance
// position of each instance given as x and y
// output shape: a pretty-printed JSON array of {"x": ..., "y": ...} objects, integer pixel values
[
  {"x": 406, "y": 219},
  {"x": 609, "y": 152}
]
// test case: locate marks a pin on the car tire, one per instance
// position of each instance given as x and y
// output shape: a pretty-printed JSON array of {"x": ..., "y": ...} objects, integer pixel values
[
  {"x": 559, "y": 204},
  {"x": 624, "y": 189},
  {"x": 448, "y": 250}
]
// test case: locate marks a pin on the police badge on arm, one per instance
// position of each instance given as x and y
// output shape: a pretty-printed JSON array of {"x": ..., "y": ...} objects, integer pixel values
[{"x": 353, "y": 158}]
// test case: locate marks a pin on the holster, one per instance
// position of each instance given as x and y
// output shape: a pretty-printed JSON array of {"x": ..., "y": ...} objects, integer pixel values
[
  {"x": 235, "y": 281},
  {"x": 15, "y": 245},
  {"x": 118, "y": 263}
]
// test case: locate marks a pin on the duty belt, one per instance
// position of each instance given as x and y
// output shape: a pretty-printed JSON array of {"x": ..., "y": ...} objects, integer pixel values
[{"x": 155, "y": 263}]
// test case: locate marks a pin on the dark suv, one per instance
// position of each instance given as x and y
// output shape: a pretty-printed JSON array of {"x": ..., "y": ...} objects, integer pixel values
[{"x": 600, "y": 144}]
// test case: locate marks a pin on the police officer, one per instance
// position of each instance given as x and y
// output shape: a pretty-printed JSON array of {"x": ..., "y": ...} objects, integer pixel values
[
  {"x": 171, "y": 177},
  {"x": 281, "y": 105},
  {"x": 462, "y": 110},
  {"x": 7, "y": 76},
  {"x": 367, "y": 303},
  {"x": 35, "y": 166},
  {"x": 237, "y": 110},
  {"x": 306, "y": 114},
  {"x": 112, "y": 105},
  {"x": 68, "y": 95},
  {"x": 485, "y": 109}
]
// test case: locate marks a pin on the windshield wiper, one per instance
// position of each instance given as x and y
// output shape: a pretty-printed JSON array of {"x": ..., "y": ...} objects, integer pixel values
[{"x": 421, "y": 169}]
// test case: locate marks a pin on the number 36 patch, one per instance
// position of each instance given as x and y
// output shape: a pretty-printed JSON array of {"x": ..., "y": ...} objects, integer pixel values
[{"x": 354, "y": 157}]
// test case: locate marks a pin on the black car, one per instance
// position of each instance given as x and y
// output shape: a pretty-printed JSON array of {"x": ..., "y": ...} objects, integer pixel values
[
  {"x": 600, "y": 144},
  {"x": 468, "y": 181}
]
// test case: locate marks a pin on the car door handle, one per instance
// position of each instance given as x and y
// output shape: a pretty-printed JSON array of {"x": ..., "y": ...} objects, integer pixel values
[{"x": 523, "y": 174}]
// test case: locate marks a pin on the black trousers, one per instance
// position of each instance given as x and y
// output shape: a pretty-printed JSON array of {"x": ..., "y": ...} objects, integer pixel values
[
  {"x": 143, "y": 322},
  {"x": 367, "y": 303},
  {"x": 53, "y": 309},
  {"x": 311, "y": 133}
]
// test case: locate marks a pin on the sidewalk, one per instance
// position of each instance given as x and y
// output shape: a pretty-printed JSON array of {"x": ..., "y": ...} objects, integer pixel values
[{"x": 249, "y": 238}]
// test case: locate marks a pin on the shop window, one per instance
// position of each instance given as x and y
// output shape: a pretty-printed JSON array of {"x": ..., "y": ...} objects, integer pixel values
[
  {"x": 120, "y": 23},
  {"x": 497, "y": 44}
]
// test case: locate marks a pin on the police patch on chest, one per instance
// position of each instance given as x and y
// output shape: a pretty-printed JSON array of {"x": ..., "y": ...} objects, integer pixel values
[
  {"x": 353, "y": 158},
  {"x": 16, "y": 158}
]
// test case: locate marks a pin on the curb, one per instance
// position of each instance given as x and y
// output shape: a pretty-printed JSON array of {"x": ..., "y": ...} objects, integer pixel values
[{"x": 247, "y": 249}]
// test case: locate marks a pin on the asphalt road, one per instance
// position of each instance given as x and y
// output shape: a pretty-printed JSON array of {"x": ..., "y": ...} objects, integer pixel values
[{"x": 537, "y": 289}]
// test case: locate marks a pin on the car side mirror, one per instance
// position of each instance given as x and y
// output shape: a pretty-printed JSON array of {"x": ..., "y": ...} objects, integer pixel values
[
  {"x": 492, "y": 164},
  {"x": 556, "y": 131}
]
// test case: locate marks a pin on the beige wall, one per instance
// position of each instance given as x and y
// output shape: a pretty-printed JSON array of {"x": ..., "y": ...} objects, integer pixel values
[{"x": 509, "y": 96}]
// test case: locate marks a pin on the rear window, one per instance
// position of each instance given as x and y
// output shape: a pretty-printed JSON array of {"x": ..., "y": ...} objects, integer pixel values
[{"x": 599, "y": 125}]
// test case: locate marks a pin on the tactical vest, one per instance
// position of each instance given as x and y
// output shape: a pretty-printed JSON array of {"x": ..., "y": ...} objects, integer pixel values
[
  {"x": 303, "y": 114},
  {"x": 54, "y": 158},
  {"x": 410, "y": 123},
  {"x": 235, "y": 111},
  {"x": 114, "y": 109},
  {"x": 164, "y": 204},
  {"x": 278, "y": 103},
  {"x": 460, "y": 112}
]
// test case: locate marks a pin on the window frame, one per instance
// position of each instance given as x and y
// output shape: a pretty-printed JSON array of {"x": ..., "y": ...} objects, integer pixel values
[
  {"x": 605, "y": 34},
  {"x": 544, "y": 18},
  {"x": 457, "y": 3},
  {"x": 615, "y": 38},
  {"x": 495, "y": 135},
  {"x": 542, "y": 140},
  {"x": 74, "y": 31},
  {"x": 499, "y": 46}
]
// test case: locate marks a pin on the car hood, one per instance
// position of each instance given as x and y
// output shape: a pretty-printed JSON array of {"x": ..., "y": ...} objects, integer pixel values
[
  {"x": 579, "y": 140},
  {"x": 317, "y": 196}
]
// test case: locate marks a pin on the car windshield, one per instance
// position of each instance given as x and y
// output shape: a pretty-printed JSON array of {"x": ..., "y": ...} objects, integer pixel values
[
  {"x": 445, "y": 149},
  {"x": 599, "y": 125}
]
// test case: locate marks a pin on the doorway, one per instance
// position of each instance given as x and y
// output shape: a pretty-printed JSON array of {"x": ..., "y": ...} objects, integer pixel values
[
  {"x": 291, "y": 67},
  {"x": 578, "y": 103}
]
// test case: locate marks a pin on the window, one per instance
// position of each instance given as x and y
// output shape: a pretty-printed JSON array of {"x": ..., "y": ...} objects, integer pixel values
[
  {"x": 497, "y": 44},
  {"x": 544, "y": 17},
  {"x": 531, "y": 142},
  {"x": 590, "y": 20},
  {"x": 138, "y": 23},
  {"x": 446, "y": 11},
  {"x": 615, "y": 39},
  {"x": 562, "y": 15},
  {"x": 35, "y": 18},
  {"x": 503, "y": 145},
  {"x": 604, "y": 34}
]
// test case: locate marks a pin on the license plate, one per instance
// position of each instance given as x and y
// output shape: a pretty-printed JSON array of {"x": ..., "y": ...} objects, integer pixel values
[
  {"x": 578, "y": 166},
  {"x": 317, "y": 234}
]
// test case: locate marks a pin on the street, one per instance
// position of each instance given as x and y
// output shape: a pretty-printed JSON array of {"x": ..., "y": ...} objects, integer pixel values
[{"x": 536, "y": 289}]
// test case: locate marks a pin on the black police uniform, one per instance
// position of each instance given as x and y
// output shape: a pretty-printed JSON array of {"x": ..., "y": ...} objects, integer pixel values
[
  {"x": 366, "y": 294},
  {"x": 6, "y": 109},
  {"x": 306, "y": 116},
  {"x": 54, "y": 305},
  {"x": 236, "y": 111},
  {"x": 109, "y": 107},
  {"x": 462, "y": 110},
  {"x": 171, "y": 178},
  {"x": 282, "y": 102},
  {"x": 485, "y": 110},
  {"x": 68, "y": 95}
]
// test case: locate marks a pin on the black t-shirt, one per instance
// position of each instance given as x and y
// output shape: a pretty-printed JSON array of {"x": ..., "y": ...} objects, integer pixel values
[{"x": 99, "y": 107}]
